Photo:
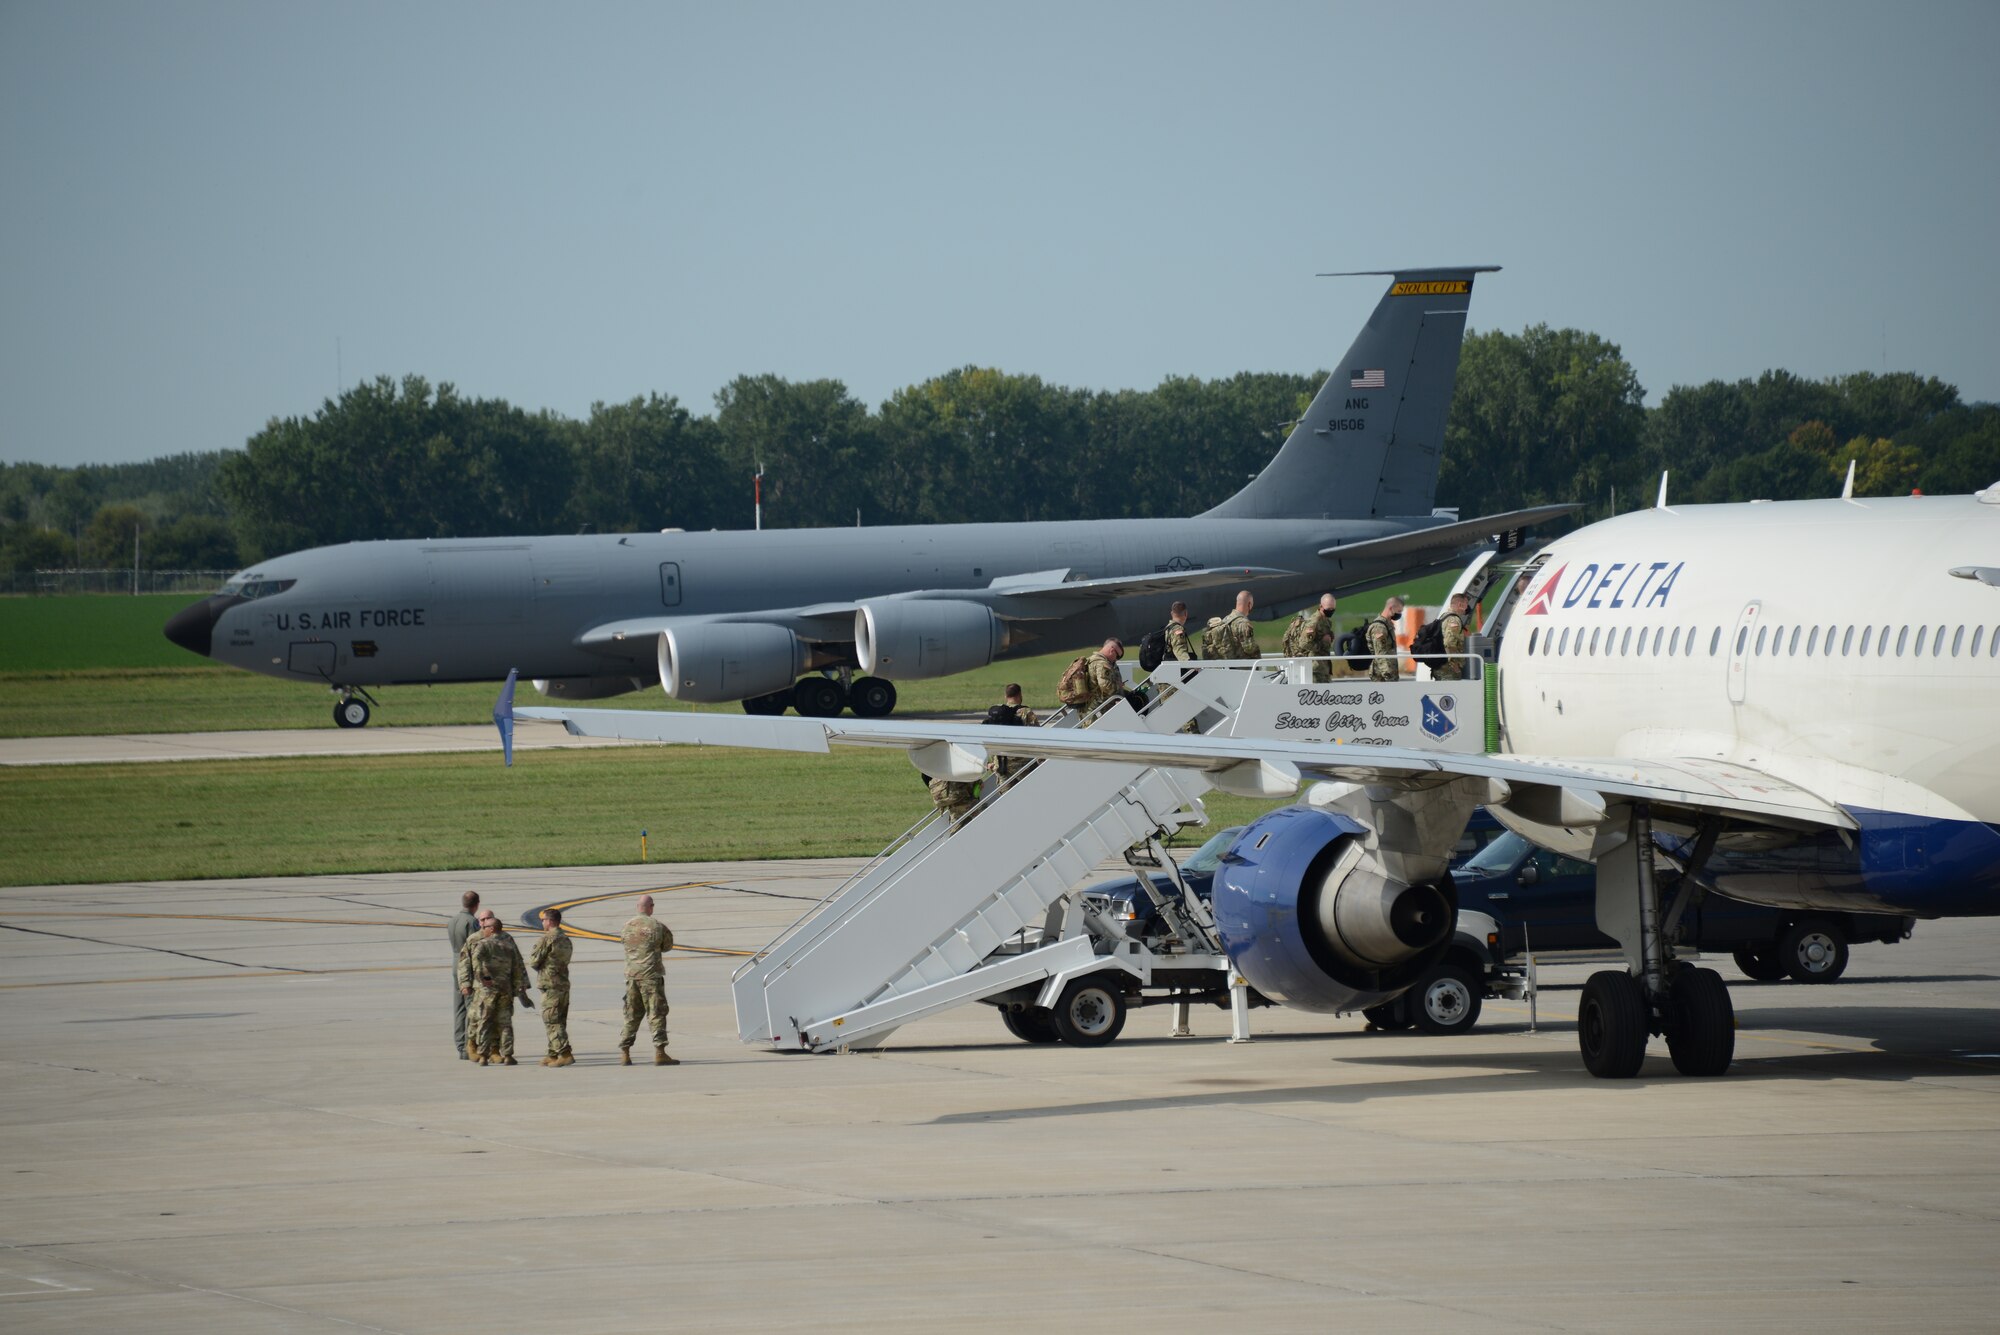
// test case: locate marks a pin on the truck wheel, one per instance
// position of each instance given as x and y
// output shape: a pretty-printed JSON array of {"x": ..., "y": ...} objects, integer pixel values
[
  {"x": 1090, "y": 1012},
  {"x": 1701, "y": 1023},
  {"x": 1446, "y": 1001},
  {"x": 1761, "y": 963},
  {"x": 1813, "y": 951},
  {"x": 1612, "y": 1024},
  {"x": 1390, "y": 1015},
  {"x": 1037, "y": 1024}
]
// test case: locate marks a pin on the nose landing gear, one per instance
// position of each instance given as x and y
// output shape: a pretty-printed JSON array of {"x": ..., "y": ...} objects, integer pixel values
[{"x": 352, "y": 709}]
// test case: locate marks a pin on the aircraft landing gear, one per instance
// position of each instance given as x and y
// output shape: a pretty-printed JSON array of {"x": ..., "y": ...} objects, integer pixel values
[
  {"x": 818, "y": 697},
  {"x": 871, "y": 697},
  {"x": 352, "y": 709},
  {"x": 1688, "y": 1006},
  {"x": 777, "y": 702}
]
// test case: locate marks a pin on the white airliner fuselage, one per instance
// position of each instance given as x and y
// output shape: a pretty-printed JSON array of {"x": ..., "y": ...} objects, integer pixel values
[{"x": 1824, "y": 643}]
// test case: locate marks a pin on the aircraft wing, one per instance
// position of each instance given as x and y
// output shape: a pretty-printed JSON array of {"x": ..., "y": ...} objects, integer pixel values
[
  {"x": 1571, "y": 790},
  {"x": 1444, "y": 537}
]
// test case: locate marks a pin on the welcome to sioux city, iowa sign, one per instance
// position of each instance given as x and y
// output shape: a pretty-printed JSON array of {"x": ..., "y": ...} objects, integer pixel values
[{"x": 1428, "y": 715}]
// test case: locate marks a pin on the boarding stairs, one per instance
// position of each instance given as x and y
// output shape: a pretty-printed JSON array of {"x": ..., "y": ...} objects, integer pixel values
[{"x": 956, "y": 911}]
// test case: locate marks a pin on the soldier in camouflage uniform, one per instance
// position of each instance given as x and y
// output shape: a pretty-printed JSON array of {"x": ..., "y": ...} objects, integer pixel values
[
  {"x": 954, "y": 798},
  {"x": 1311, "y": 636},
  {"x": 1098, "y": 681},
  {"x": 1238, "y": 636},
  {"x": 491, "y": 972},
  {"x": 463, "y": 927},
  {"x": 550, "y": 962},
  {"x": 1178, "y": 647},
  {"x": 645, "y": 939},
  {"x": 1453, "y": 625},
  {"x": 1382, "y": 642}
]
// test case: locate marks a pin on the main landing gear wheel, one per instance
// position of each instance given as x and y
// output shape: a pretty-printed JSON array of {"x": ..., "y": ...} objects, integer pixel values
[
  {"x": 1612, "y": 1024},
  {"x": 1090, "y": 1013},
  {"x": 1701, "y": 1023},
  {"x": 351, "y": 712},
  {"x": 1390, "y": 1015},
  {"x": 818, "y": 697},
  {"x": 1445, "y": 1002},
  {"x": 871, "y": 697},
  {"x": 1037, "y": 1024},
  {"x": 769, "y": 705},
  {"x": 1813, "y": 951},
  {"x": 1761, "y": 963}
]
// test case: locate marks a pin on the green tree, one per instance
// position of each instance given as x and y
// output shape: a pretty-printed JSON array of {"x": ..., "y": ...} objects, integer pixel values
[
  {"x": 816, "y": 442},
  {"x": 1960, "y": 449},
  {"x": 107, "y": 540},
  {"x": 191, "y": 542},
  {"x": 1544, "y": 416},
  {"x": 26, "y": 547},
  {"x": 647, "y": 464}
]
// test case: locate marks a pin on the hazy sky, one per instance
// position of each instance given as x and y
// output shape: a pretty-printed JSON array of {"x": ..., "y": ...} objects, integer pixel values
[{"x": 219, "y": 213}]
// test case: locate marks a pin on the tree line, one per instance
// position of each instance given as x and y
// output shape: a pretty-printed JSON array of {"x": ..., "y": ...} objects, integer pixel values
[{"x": 1540, "y": 416}]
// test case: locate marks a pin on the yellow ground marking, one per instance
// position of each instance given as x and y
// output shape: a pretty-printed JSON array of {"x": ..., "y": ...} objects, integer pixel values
[{"x": 587, "y": 934}]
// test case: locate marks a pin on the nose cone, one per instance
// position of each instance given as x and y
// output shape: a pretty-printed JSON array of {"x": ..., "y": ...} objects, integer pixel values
[{"x": 193, "y": 627}]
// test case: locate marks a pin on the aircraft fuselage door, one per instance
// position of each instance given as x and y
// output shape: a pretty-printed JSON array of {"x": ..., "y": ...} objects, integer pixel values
[
  {"x": 670, "y": 583},
  {"x": 311, "y": 658},
  {"x": 1741, "y": 641}
]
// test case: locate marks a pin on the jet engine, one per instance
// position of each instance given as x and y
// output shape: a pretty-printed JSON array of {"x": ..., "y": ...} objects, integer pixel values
[
  {"x": 914, "y": 638},
  {"x": 718, "y": 661},
  {"x": 1311, "y": 917},
  {"x": 588, "y": 688}
]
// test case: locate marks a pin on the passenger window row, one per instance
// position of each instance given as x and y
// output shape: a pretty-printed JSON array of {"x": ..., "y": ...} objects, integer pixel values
[{"x": 1770, "y": 642}]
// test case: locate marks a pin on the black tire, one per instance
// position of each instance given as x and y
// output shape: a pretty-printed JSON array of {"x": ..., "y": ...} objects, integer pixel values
[
  {"x": 818, "y": 697},
  {"x": 1612, "y": 1024},
  {"x": 1444, "y": 1001},
  {"x": 1701, "y": 1023},
  {"x": 352, "y": 713},
  {"x": 1391, "y": 1015},
  {"x": 1037, "y": 1024},
  {"x": 1090, "y": 1012},
  {"x": 769, "y": 706},
  {"x": 872, "y": 697},
  {"x": 1761, "y": 963},
  {"x": 1813, "y": 950}
]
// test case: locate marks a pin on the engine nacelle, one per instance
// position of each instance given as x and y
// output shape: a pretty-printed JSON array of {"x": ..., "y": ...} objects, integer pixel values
[
  {"x": 914, "y": 638},
  {"x": 720, "y": 661},
  {"x": 1312, "y": 920},
  {"x": 588, "y": 688}
]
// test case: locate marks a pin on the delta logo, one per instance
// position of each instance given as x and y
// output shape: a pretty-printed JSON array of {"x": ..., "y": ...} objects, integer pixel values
[{"x": 1608, "y": 586}]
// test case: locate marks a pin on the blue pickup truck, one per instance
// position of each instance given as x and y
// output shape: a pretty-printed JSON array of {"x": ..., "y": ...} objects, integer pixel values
[{"x": 1514, "y": 898}]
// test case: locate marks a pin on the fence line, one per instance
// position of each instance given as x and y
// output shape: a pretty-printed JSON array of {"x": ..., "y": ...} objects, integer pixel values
[{"x": 112, "y": 581}]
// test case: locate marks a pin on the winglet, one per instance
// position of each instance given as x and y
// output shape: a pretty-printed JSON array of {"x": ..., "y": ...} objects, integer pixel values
[
  {"x": 1661, "y": 503},
  {"x": 503, "y": 715},
  {"x": 1847, "y": 487}
]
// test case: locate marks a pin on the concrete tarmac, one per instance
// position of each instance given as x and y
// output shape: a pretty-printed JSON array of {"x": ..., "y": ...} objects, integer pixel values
[
  {"x": 128, "y": 748},
  {"x": 233, "y": 1106}
]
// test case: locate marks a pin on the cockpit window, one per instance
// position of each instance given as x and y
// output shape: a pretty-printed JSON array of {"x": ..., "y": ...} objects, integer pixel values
[
  {"x": 258, "y": 588},
  {"x": 1499, "y": 855}
]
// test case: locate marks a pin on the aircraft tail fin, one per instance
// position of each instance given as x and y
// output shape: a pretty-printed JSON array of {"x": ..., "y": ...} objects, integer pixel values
[{"x": 1368, "y": 447}]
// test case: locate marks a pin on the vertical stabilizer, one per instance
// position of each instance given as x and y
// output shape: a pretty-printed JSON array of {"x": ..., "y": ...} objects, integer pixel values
[{"x": 1368, "y": 448}]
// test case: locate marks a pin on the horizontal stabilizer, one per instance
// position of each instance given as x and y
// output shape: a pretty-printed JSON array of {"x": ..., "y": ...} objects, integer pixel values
[{"x": 1445, "y": 537}]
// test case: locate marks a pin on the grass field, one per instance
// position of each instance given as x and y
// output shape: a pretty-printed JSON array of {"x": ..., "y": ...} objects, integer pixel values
[{"x": 299, "y": 817}]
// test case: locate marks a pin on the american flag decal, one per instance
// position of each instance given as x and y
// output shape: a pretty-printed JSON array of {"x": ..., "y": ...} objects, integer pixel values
[{"x": 1365, "y": 380}]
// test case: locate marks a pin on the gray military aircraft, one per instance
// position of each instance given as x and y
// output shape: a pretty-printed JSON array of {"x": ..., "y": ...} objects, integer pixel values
[{"x": 786, "y": 618}]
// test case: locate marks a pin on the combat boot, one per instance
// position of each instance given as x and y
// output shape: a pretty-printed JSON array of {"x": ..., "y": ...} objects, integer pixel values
[
  {"x": 480, "y": 1059},
  {"x": 624, "y": 1056},
  {"x": 566, "y": 1058},
  {"x": 508, "y": 1061},
  {"x": 552, "y": 1061},
  {"x": 471, "y": 1050},
  {"x": 660, "y": 1057}
]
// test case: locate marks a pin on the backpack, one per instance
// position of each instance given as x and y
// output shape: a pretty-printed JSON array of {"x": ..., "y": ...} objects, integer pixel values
[
  {"x": 1295, "y": 635},
  {"x": 1212, "y": 643},
  {"x": 1429, "y": 640},
  {"x": 1006, "y": 715},
  {"x": 1074, "y": 688},
  {"x": 1354, "y": 647},
  {"x": 1153, "y": 649}
]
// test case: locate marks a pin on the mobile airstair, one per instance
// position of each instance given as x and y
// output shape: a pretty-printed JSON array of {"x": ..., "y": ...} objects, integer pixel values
[{"x": 985, "y": 907}]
